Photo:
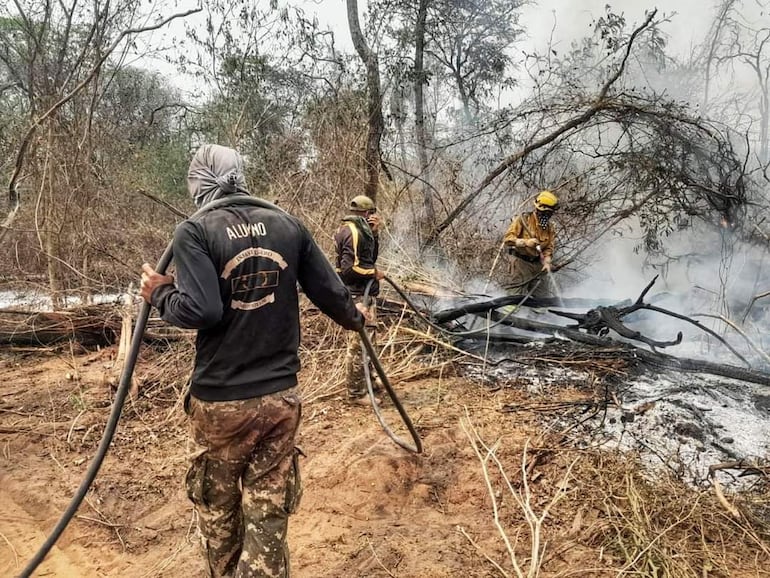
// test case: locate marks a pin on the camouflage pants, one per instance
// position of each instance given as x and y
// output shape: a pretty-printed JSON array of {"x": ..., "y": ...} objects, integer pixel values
[
  {"x": 245, "y": 482},
  {"x": 354, "y": 364},
  {"x": 526, "y": 276}
]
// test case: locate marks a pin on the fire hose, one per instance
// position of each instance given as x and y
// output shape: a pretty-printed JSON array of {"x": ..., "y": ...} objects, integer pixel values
[
  {"x": 367, "y": 354},
  {"x": 125, "y": 381}
]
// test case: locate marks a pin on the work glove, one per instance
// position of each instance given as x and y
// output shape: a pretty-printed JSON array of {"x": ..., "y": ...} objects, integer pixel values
[
  {"x": 531, "y": 243},
  {"x": 520, "y": 243},
  {"x": 547, "y": 264}
]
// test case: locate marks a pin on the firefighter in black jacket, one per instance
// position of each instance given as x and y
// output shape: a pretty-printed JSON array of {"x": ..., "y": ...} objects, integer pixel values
[
  {"x": 237, "y": 269},
  {"x": 357, "y": 247}
]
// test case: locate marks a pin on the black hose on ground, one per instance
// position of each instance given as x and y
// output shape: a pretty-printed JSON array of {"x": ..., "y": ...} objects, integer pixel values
[
  {"x": 128, "y": 371},
  {"x": 368, "y": 353},
  {"x": 109, "y": 430}
]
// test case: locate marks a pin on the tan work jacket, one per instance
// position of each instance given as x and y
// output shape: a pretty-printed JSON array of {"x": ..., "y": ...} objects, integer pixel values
[{"x": 525, "y": 226}]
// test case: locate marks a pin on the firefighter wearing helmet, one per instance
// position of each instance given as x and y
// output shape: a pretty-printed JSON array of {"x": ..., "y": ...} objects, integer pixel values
[
  {"x": 530, "y": 239},
  {"x": 357, "y": 246}
]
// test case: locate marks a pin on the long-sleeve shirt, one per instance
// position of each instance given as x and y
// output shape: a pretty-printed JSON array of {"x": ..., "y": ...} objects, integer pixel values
[
  {"x": 526, "y": 226},
  {"x": 357, "y": 249},
  {"x": 237, "y": 270}
]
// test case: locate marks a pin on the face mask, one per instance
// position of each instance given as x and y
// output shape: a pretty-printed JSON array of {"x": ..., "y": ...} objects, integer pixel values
[{"x": 543, "y": 218}]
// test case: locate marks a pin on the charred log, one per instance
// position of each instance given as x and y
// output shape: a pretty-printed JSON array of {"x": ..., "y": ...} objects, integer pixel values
[
  {"x": 650, "y": 358},
  {"x": 597, "y": 321},
  {"x": 534, "y": 302},
  {"x": 602, "y": 319}
]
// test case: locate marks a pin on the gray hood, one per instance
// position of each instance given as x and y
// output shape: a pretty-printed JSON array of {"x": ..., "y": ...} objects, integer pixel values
[{"x": 215, "y": 168}]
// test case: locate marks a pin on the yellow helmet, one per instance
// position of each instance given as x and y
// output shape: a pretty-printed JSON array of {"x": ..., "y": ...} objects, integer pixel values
[
  {"x": 362, "y": 203},
  {"x": 546, "y": 201}
]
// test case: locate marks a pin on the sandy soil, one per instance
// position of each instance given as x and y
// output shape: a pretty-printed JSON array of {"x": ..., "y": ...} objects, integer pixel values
[{"x": 370, "y": 509}]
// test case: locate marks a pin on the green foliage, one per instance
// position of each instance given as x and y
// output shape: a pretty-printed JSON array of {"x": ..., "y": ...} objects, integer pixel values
[
  {"x": 161, "y": 169},
  {"x": 467, "y": 46},
  {"x": 254, "y": 95},
  {"x": 139, "y": 107}
]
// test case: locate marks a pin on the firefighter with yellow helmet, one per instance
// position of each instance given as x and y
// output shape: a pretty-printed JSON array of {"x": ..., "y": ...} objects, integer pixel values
[{"x": 530, "y": 239}]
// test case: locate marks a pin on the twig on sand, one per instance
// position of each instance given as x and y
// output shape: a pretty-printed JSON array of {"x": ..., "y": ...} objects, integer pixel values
[
  {"x": 522, "y": 497},
  {"x": 480, "y": 551},
  {"x": 377, "y": 558},
  {"x": 15, "y": 553},
  {"x": 722, "y": 500},
  {"x": 738, "y": 330}
]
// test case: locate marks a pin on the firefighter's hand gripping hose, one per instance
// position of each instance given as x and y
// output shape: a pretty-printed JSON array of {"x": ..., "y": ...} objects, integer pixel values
[{"x": 120, "y": 396}]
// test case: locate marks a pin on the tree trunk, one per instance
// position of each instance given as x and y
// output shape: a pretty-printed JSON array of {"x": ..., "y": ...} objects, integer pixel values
[
  {"x": 717, "y": 27},
  {"x": 374, "y": 101},
  {"x": 461, "y": 89},
  {"x": 764, "y": 110},
  {"x": 50, "y": 238},
  {"x": 419, "y": 112}
]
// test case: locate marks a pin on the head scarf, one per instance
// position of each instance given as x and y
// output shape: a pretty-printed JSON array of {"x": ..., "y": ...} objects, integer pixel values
[{"x": 215, "y": 168}]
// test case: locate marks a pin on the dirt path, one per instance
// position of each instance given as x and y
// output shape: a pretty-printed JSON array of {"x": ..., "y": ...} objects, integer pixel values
[{"x": 22, "y": 534}]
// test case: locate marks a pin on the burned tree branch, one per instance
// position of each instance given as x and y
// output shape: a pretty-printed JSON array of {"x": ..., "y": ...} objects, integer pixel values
[
  {"x": 747, "y": 467},
  {"x": 599, "y": 320},
  {"x": 600, "y": 103},
  {"x": 739, "y": 331},
  {"x": 640, "y": 299},
  {"x": 611, "y": 322},
  {"x": 535, "y": 302},
  {"x": 701, "y": 327},
  {"x": 652, "y": 358}
]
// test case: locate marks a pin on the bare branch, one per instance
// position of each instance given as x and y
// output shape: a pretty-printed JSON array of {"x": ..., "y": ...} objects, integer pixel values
[
  {"x": 13, "y": 195},
  {"x": 600, "y": 103}
]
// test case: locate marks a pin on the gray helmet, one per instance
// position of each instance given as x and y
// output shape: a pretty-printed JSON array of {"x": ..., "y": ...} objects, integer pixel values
[{"x": 362, "y": 203}]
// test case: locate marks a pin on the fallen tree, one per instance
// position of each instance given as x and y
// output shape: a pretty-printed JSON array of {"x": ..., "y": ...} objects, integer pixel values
[
  {"x": 653, "y": 358},
  {"x": 90, "y": 326},
  {"x": 535, "y": 302},
  {"x": 597, "y": 323}
]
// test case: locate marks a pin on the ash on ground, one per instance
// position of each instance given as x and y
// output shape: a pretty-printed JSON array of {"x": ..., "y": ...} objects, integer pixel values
[{"x": 682, "y": 421}]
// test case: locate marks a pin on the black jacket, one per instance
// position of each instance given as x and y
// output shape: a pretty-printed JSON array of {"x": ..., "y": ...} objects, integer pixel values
[
  {"x": 237, "y": 270},
  {"x": 357, "y": 249}
]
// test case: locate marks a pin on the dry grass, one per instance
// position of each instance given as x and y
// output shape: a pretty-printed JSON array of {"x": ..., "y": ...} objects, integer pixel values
[
  {"x": 593, "y": 513},
  {"x": 660, "y": 526}
]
